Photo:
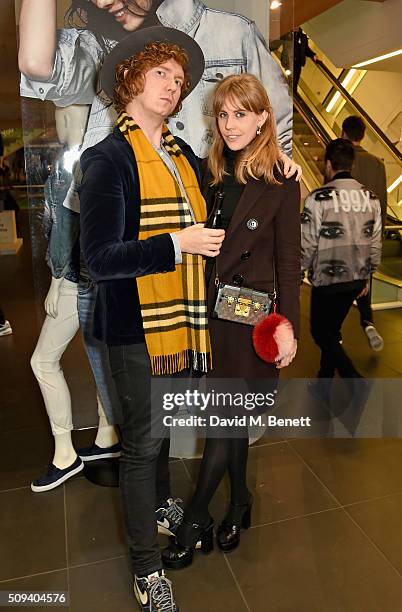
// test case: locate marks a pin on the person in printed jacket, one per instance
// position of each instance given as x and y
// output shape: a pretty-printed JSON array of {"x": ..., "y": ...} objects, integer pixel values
[{"x": 341, "y": 248}]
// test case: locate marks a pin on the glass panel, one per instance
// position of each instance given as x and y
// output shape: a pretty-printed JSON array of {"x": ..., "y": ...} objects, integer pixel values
[{"x": 329, "y": 105}]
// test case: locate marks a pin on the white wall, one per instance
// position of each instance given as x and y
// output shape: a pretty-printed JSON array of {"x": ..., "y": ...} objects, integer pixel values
[{"x": 380, "y": 94}]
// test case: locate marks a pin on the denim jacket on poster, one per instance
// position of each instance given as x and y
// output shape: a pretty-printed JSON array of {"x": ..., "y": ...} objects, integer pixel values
[
  {"x": 231, "y": 44},
  {"x": 62, "y": 227}
]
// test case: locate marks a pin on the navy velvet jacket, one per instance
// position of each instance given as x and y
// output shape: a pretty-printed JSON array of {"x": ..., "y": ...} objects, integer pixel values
[{"x": 110, "y": 217}]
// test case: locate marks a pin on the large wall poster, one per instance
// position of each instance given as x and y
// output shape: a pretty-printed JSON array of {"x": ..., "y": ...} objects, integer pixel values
[{"x": 64, "y": 110}]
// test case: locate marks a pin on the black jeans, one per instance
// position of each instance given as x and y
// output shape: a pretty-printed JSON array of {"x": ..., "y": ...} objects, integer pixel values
[
  {"x": 144, "y": 465},
  {"x": 366, "y": 312},
  {"x": 327, "y": 314}
]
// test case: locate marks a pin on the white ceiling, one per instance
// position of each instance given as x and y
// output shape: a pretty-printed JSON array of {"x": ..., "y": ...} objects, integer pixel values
[{"x": 356, "y": 30}]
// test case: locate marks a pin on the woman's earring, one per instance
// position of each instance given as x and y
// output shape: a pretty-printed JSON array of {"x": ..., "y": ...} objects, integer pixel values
[{"x": 258, "y": 130}]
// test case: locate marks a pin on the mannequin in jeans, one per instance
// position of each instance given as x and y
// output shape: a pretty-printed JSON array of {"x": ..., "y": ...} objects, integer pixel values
[{"x": 62, "y": 318}]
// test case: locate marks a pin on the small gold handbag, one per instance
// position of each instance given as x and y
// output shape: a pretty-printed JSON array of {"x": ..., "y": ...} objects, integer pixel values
[
  {"x": 241, "y": 304},
  {"x": 235, "y": 303}
]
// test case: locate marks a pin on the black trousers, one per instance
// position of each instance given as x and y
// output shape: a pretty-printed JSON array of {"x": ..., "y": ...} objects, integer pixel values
[
  {"x": 144, "y": 465},
  {"x": 365, "y": 310},
  {"x": 297, "y": 68},
  {"x": 327, "y": 314}
]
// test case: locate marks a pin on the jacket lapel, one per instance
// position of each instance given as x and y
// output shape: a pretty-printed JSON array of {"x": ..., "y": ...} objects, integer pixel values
[
  {"x": 126, "y": 147},
  {"x": 252, "y": 191}
]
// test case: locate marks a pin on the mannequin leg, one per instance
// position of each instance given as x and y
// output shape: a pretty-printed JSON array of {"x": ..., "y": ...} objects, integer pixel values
[
  {"x": 64, "y": 453},
  {"x": 107, "y": 434},
  {"x": 55, "y": 336},
  {"x": 107, "y": 442}
]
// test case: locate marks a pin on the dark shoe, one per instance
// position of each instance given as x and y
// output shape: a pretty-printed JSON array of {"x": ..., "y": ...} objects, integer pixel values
[
  {"x": 55, "y": 476},
  {"x": 169, "y": 516},
  {"x": 359, "y": 391},
  {"x": 94, "y": 452},
  {"x": 154, "y": 593},
  {"x": 320, "y": 389},
  {"x": 177, "y": 556},
  {"x": 238, "y": 517}
]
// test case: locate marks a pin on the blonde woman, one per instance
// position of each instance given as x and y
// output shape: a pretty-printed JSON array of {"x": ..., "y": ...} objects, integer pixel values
[{"x": 258, "y": 207}]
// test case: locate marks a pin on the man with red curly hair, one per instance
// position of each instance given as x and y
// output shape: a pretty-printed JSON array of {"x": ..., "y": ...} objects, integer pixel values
[{"x": 141, "y": 215}]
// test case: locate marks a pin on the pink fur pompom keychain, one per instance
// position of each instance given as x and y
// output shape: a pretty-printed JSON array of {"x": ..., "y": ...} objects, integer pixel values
[{"x": 273, "y": 337}]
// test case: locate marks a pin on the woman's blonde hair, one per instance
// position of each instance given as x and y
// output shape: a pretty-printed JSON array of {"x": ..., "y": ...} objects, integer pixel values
[{"x": 260, "y": 158}]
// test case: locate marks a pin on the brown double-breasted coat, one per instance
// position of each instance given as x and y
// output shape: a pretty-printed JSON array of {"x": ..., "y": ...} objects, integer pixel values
[{"x": 264, "y": 233}]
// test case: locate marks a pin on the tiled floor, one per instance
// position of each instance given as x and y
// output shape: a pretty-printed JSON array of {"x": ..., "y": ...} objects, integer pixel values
[{"x": 326, "y": 533}]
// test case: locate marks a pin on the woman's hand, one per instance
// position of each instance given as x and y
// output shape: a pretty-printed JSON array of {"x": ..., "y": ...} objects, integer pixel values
[
  {"x": 288, "y": 357},
  {"x": 290, "y": 167}
]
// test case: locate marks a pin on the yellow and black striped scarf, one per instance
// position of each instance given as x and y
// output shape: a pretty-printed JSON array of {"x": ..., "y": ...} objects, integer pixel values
[{"x": 173, "y": 305}]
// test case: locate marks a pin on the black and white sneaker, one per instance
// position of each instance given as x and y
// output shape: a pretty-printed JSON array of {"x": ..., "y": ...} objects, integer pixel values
[
  {"x": 54, "y": 476},
  {"x": 91, "y": 453},
  {"x": 376, "y": 341},
  {"x": 154, "y": 593},
  {"x": 169, "y": 517},
  {"x": 5, "y": 329}
]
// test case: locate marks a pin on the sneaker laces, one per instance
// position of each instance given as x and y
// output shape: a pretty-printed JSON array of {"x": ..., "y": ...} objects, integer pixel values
[
  {"x": 161, "y": 594},
  {"x": 174, "y": 512}
]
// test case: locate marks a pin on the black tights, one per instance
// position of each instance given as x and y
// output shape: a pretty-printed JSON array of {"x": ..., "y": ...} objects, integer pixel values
[{"x": 220, "y": 454}]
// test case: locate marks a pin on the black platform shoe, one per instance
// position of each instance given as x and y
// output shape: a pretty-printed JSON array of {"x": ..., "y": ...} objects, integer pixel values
[
  {"x": 177, "y": 556},
  {"x": 228, "y": 533}
]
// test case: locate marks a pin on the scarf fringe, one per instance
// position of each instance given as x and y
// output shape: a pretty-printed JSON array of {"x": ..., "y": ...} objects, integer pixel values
[{"x": 187, "y": 359}]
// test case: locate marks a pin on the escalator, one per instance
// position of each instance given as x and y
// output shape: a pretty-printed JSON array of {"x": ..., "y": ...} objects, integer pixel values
[{"x": 320, "y": 106}]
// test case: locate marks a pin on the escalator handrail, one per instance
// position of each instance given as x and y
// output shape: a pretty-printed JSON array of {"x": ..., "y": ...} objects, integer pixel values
[
  {"x": 319, "y": 131},
  {"x": 311, "y": 119},
  {"x": 379, "y": 133}
]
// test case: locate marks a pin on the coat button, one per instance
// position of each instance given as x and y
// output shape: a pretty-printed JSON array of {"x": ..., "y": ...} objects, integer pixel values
[
  {"x": 252, "y": 224},
  {"x": 219, "y": 75},
  {"x": 180, "y": 125},
  {"x": 245, "y": 255},
  {"x": 238, "y": 279},
  {"x": 41, "y": 90}
]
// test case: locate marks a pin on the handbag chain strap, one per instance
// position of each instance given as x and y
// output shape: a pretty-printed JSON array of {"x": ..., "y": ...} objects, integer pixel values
[{"x": 213, "y": 220}]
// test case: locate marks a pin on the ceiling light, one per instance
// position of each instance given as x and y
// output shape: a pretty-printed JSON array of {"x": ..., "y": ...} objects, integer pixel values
[
  {"x": 395, "y": 184},
  {"x": 275, "y": 4},
  {"x": 378, "y": 59}
]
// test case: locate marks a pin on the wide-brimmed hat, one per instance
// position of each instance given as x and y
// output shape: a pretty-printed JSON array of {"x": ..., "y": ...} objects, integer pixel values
[{"x": 136, "y": 41}]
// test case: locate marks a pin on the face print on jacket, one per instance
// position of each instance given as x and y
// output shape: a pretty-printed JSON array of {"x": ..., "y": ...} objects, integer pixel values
[{"x": 337, "y": 232}]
